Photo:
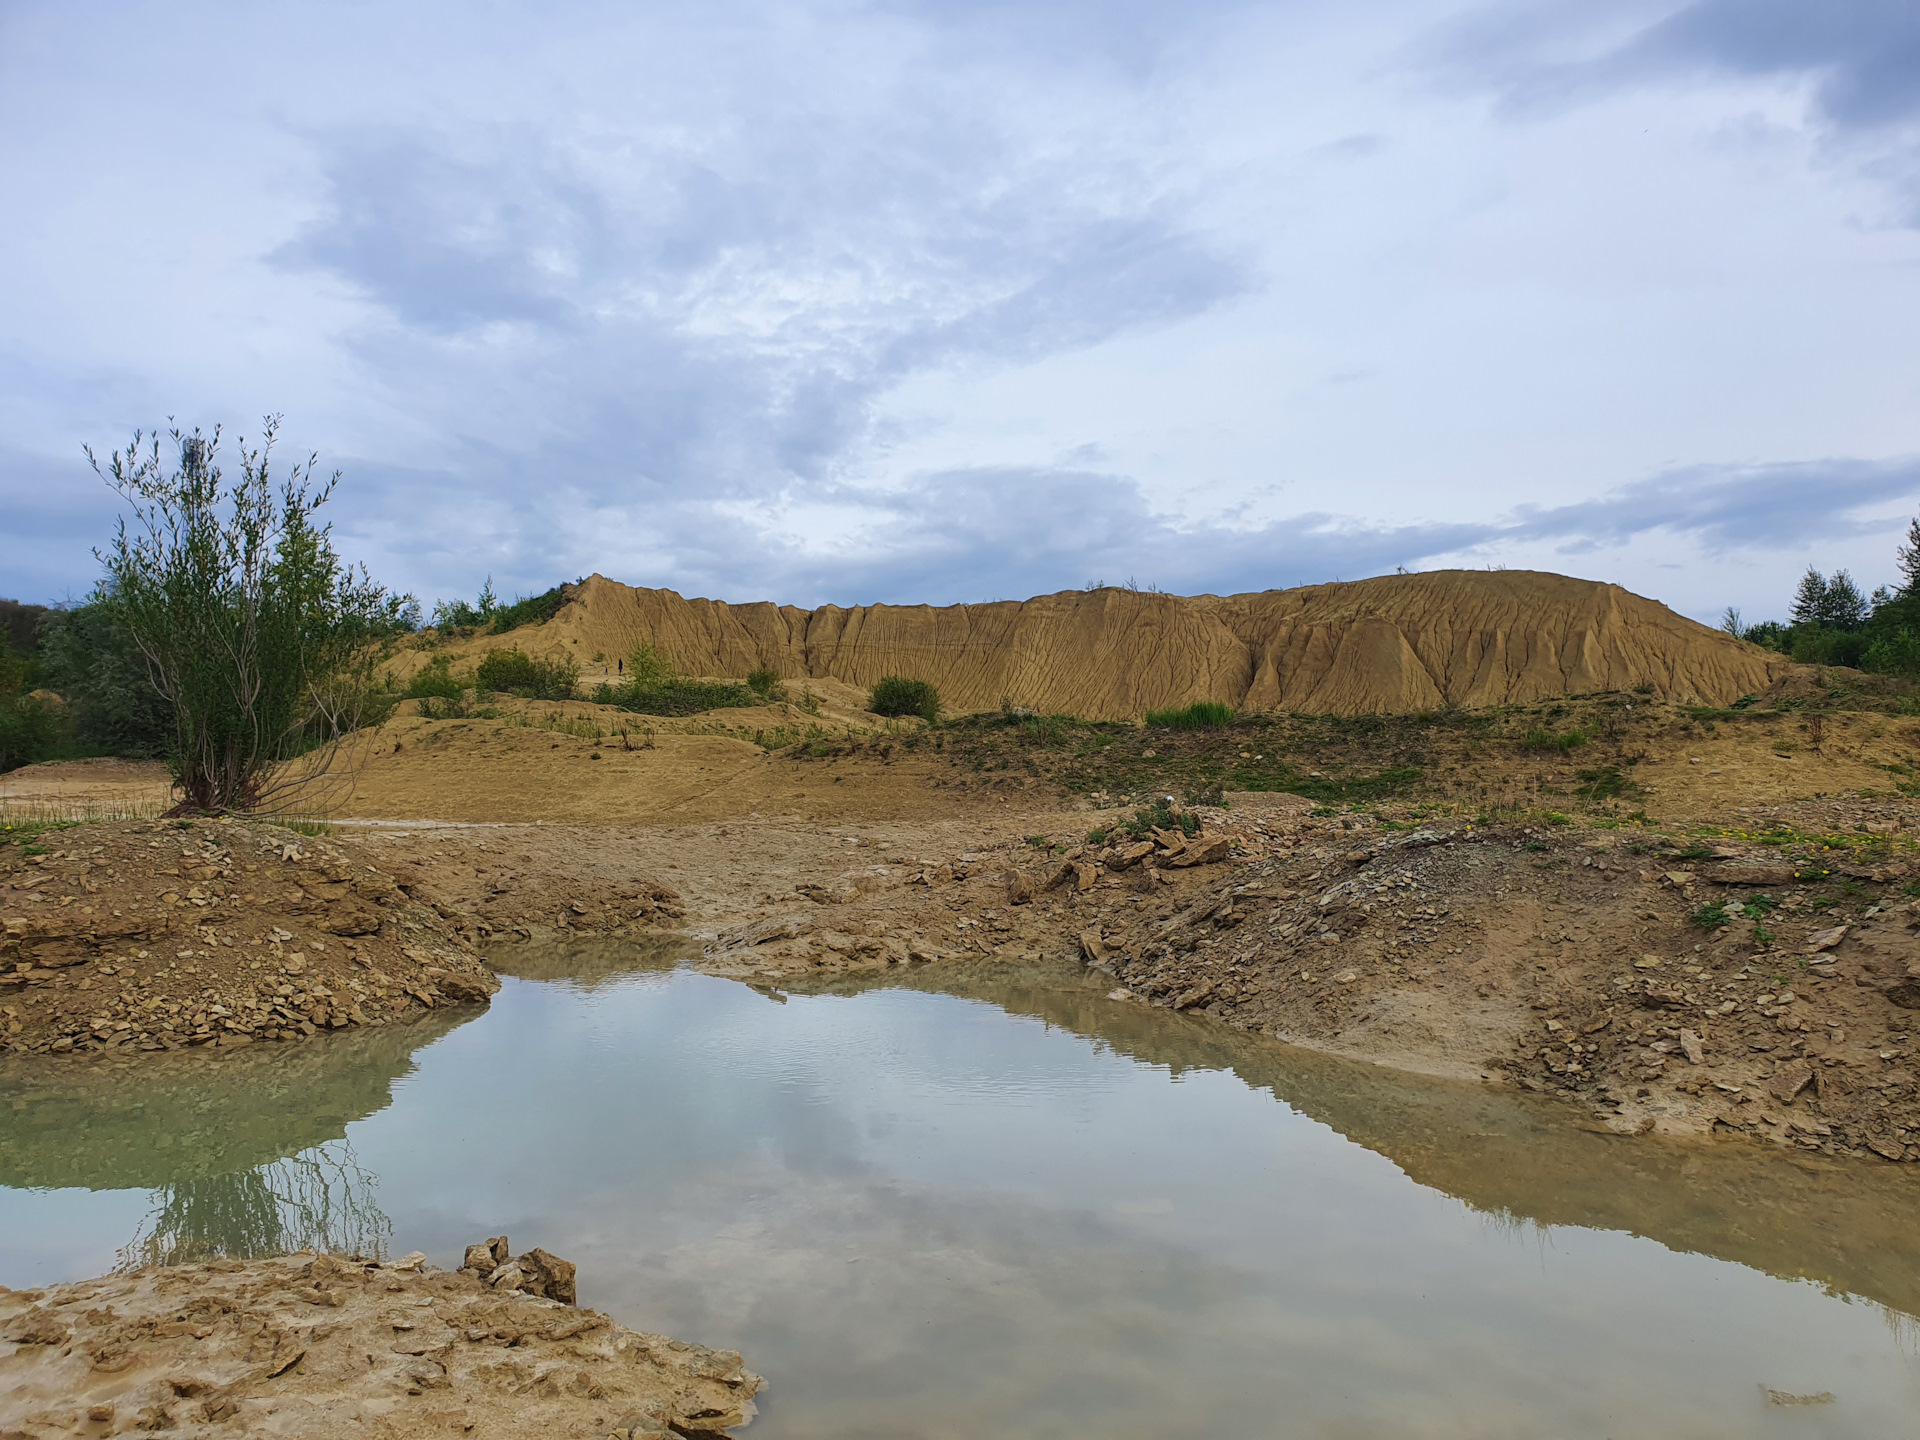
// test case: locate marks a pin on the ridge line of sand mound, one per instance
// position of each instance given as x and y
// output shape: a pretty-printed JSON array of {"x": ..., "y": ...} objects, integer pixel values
[{"x": 1393, "y": 644}]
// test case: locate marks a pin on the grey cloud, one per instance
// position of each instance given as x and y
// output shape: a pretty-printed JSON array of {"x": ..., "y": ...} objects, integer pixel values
[
  {"x": 655, "y": 314},
  {"x": 1866, "y": 52},
  {"x": 1863, "y": 54},
  {"x": 1006, "y": 533}
]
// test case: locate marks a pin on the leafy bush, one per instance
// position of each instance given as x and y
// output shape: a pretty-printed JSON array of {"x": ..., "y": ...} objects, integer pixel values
[
  {"x": 89, "y": 659},
  {"x": 436, "y": 682},
  {"x": 250, "y": 626},
  {"x": 20, "y": 625},
  {"x": 766, "y": 684},
  {"x": 518, "y": 673},
  {"x": 674, "y": 697},
  {"x": 1897, "y": 653},
  {"x": 31, "y": 729},
  {"x": 441, "y": 693},
  {"x": 488, "y": 613},
  {"x": 1818, "y": 645},
  {"x": 1362, "y": 789},
  {"x": 1711, "y": 917},
  {"x": 647, "y": 666},
  {"x": 1203, "y": 715},
  {"x": 530, "y": 610},
  {"x": 895, "y": 695}
]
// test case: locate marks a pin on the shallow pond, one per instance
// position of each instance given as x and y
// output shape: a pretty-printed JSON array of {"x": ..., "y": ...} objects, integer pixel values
[{"x": 1014, "y": 1208}]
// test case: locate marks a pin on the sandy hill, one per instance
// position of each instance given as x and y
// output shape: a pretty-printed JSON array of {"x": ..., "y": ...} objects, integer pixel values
[{"x": 1393, "y": 644}]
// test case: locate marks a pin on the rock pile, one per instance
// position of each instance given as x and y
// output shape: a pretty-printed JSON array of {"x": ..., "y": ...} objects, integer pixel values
[
  {"x": 534, "y": 1273},
  {"x": 158, "y": 936},
  {"x": 1716, "y": 994}
]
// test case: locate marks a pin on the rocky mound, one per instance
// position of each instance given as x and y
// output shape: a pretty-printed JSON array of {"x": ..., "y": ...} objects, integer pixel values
[
  {"x": 316, "y": 1346},
  {"x": 1392, "y": 644},
  {"x": 159, "y": 936}
]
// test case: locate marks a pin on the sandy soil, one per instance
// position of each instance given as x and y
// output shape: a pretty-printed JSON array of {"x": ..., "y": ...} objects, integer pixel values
[
  {"x": 85, "y": 790},
  {"x": 317, "y": 1346},
  {"x": 1569, "y": 954}
]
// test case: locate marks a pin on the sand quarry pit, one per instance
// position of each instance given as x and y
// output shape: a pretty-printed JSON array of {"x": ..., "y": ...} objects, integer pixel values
[
  {"x": 1721, "y": 941},
  {"x": 1695, "y": 922}
]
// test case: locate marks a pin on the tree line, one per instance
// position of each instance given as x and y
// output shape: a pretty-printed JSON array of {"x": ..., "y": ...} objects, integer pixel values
[{"x": 1831, "y": 622}]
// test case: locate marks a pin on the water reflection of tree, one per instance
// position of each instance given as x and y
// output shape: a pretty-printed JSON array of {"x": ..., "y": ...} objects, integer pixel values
[{"x": 320, "y": 1199}]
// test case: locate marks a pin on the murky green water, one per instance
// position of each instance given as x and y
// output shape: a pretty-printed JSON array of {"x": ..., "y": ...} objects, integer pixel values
[{"x": 1021, "y": 1210}]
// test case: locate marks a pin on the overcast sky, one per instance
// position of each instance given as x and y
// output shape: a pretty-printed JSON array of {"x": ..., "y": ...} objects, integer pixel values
[{"x": 921, "y": 301}]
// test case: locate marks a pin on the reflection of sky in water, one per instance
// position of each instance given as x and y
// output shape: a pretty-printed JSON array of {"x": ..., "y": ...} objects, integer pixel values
[{"x": 923, "y": 1216}]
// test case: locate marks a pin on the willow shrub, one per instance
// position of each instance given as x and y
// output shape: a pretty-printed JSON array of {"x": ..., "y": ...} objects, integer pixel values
[{"x": 251, "y": 628}]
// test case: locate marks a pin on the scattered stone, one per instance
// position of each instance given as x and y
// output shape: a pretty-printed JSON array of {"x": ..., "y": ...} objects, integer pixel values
[
  {"x": 1210, "y": 852},
  {"x": 1789, "y": 1079}
]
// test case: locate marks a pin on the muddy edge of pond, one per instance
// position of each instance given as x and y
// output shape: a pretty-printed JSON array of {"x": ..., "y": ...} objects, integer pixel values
[
  {"x": 1592, "y": 965},
  {"x": 312, "y": 1345},
  {"x": 1749, "y": 988}
]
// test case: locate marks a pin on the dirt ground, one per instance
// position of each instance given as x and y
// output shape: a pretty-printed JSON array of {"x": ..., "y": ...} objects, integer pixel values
[
  {"x": 318, "y": 1346},
  {"x": 1701, "y": 925},
  {"x": 151, "y": 935},
  {"x": 1686, "y": 920}
]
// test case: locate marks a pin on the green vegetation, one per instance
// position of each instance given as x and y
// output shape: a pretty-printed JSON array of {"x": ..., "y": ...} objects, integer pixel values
[
  {"x": 1540, "y": 739},
  {"x": 89, "y": 658},
  {"x": 249, "y": 625},
  {"x": 30, "y": 728},
  {"x": 1832, "y": 623},
  {"x": 1160, "y": 815},
  {"x": 651, "y": 686},
  {"x": 98, "y": 699},
  {"x": 673, "y": 697},
  {"x": 517, "y": 673},
  {"x": 489, "y": 614},
  {"x": 895, "y": 695},
  {"x": 1202, "y": 715},
  {"x": 766, "y": 684},
  {"x": 1603, "y": 784}
]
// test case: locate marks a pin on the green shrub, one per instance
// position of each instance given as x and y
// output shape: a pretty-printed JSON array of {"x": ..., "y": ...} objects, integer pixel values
[
  {"x": 31, "y": 730},
  {"x": 530, "y": 610},
  {"x": 520, "y": 674},
  {"x": 436, "y": 682},
  {"x": 246, "y": 619},
  {"x": 1895, "y": 654},
  {"x": 895, "y": 695},
  {"x": 1711, "y": 917},
  {"x": 1160, "y": 815},
  {"x": 1604, "y": 784},
  {"x": 1361, "y": 790},
  {"x": 647, "y": 666},
  {"x": 89, "y": 660},
  {"x": 1203, "y": 715},
  {"x": 766, "y": 684},
  {"x": 1548, "y": 740},
  {"x": 673, "y": 697}
]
